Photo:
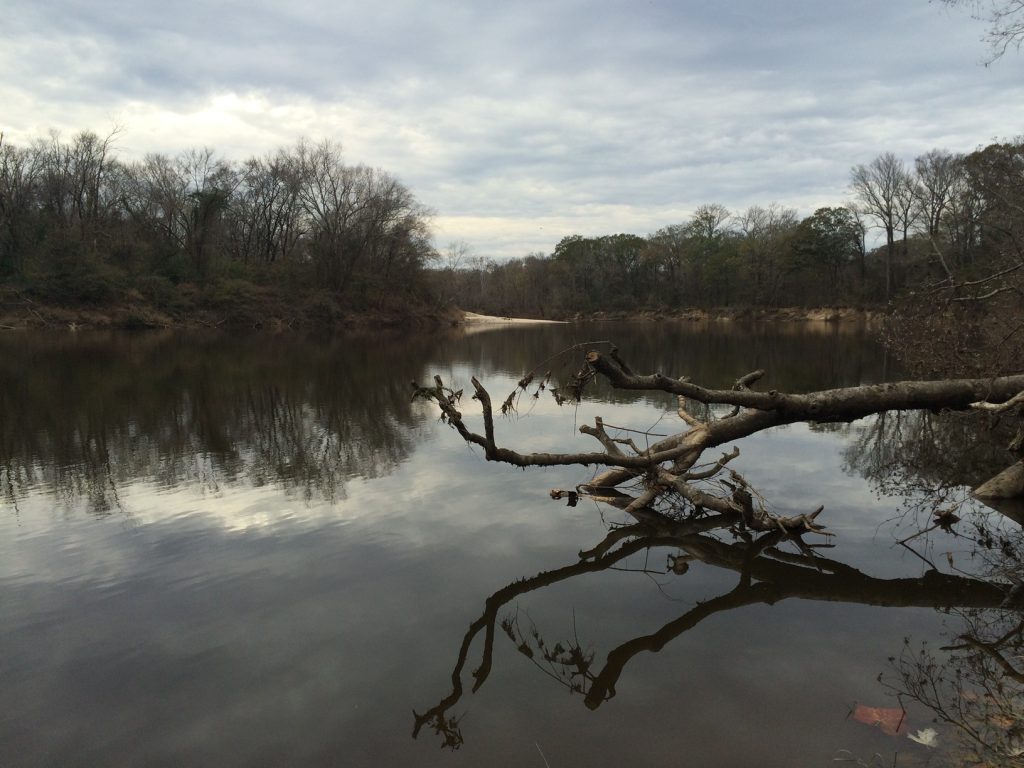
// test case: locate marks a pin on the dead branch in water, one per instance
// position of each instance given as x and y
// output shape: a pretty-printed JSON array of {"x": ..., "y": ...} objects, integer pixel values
[{"x": 669, "y": 468}]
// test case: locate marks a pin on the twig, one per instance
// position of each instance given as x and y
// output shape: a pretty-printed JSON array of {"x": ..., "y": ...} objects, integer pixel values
[
  {"x": 638, "y": 431},
  {"x": 542, "y": 754},
  {"x": 715, "y": 468}
]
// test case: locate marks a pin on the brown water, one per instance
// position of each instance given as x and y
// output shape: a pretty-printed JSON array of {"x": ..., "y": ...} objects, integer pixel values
[{"x": 258, "y": 551}]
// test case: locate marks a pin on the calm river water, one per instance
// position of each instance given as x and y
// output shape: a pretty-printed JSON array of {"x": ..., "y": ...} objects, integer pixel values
[{"x": 256, "y": 551}]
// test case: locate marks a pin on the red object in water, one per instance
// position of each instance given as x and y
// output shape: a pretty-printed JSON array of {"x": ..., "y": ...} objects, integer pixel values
[{"x": 891, "y": 721}]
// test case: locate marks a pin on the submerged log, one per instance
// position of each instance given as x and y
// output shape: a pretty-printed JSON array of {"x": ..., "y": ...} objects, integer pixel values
[{"x": 1008, "y": 484}]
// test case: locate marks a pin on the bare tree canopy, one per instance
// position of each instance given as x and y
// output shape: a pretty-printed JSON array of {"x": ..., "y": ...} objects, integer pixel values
[
  {"x": 881, "y": 189},
  {"x": 1005, "y": 19}
]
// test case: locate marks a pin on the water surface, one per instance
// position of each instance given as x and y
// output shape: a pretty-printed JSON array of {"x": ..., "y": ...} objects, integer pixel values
[{"x": 259, "y": 551}]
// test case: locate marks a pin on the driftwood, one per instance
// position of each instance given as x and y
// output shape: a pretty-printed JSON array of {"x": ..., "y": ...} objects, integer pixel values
[{"x": 669, "y": 468}]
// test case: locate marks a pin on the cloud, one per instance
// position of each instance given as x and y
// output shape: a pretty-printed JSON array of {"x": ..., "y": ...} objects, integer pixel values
[{"x": 522, "y": 123}]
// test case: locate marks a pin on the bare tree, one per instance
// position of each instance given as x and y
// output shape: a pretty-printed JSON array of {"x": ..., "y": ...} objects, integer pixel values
[
  {"x": 209, "y": 184},
  {"x": 881, "y": 188},
  {"x": 936, "y": 175},
  {"x": 709, "y": 220},
  {"x": 667, "y": 252},
  {"x": 362, "y": 221},
  {"x": 72, "y": 182},
  {"x": 182, "y": 202},
  {"x": 457, "y": 252},
  {"x": 19, "y": 169},
  {"x": 968, "y": 316},
  {"x": 266, "y": 223},
  {"x": 1005, "y": 19},
  {"x": 859, "y": 218}
]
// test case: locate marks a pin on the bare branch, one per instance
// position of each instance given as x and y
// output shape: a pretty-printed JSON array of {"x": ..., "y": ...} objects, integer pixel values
[
  {"x": 715, "y": 469},
  {"x": 1014, "y": 401},
  {"x": 686, "y": 417}
]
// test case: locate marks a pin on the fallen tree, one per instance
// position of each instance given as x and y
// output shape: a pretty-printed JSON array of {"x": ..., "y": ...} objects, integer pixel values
[
  {"x": 673, "y": 481},
  {"x": 684, "y": 500}
]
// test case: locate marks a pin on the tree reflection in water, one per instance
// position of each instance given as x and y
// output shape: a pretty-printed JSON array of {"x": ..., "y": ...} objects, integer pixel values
[
  {"x": 974, "y": 681},
  {"x": 973, "y": 684},
  {"x": 86, "y": 414}
]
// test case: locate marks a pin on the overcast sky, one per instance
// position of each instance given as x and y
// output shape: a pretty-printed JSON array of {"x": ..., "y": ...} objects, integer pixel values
[{"x": 520, "y": 123}]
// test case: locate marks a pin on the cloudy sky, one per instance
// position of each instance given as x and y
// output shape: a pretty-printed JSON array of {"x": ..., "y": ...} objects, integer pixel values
[{"x": 520, "y": 123}]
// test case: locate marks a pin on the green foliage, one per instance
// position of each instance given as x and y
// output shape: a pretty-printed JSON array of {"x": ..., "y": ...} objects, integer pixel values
[
  {"x": 828, "y": 242},
  {"x": 158, "y": 291},
  {"x": 321, "y": 309},
  {"x": 238, "y": 299},
  {"x": 70, "y": 280}
]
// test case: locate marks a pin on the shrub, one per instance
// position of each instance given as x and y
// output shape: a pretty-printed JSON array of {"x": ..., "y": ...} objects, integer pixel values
[
  {"x": 73, "y": 281},
  {"x": 157, "y": 290}
]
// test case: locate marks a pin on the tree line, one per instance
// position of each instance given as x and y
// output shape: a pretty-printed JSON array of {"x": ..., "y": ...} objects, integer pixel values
[
  {"x": 79, "y": 224},
  {"x": 301, "y": 231},
  {"x": 946, "y": 218}
]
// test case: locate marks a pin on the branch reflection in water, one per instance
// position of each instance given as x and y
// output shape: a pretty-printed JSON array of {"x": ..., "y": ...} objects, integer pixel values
[
  {"x": 766, "y": 573},
  {"x": 975, "y": 688}
]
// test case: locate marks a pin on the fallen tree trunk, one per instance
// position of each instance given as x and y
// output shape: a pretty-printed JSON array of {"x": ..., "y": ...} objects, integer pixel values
[
  {"x": 1008, "y": 484},
  {"x": 666, "y": 467}
]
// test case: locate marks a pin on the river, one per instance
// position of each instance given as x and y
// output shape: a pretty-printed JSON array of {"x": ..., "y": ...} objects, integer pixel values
[{"x": 259, "y": 550}]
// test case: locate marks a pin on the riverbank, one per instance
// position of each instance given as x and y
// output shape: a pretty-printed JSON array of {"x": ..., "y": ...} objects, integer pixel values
[
  {"x": 871, "y": 317},
  {"x": 256, "y": 308},
  {"x": 252, "y": 308}
]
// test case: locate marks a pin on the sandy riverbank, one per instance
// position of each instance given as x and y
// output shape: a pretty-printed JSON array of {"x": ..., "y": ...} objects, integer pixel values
[
  {"x": 804, "y": 316},
  {"x": 472, "y": 318}
]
